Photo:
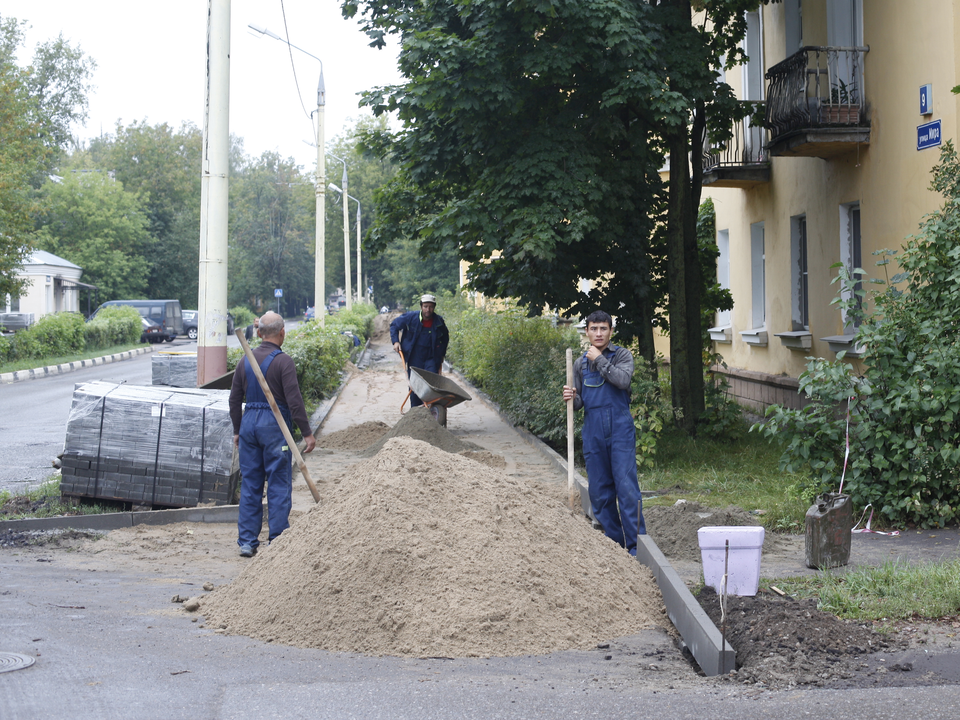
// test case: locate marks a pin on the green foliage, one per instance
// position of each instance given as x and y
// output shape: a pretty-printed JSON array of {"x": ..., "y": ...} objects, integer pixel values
[
  {"x": 905, "y": 408},
  {"x": 242, "y": 316},
  {"x": 359, "y": 320},
  {"x": 272, "y": 234},
  {"x": 320, "y": 354},
  {"x": 159, "y": 163},
  {"x": 520, "y": 362},
  {"x": 90, "y": 220},
  {"x": 114, "y": 325},
  {"x": 52, "y": 335},
  {"x": 6, "y": 349},
  {"x": 650, "y": 407}
]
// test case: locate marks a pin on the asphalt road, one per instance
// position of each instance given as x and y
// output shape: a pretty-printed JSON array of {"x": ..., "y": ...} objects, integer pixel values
[{"x": 33, "y": 415}]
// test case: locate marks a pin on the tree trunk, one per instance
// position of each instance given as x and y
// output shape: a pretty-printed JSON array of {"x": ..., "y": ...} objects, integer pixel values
[{"x": 682, "y": 354}]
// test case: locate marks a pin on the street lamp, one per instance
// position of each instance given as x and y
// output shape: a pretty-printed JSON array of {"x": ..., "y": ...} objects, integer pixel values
[
  {"x": 359, "y": 276},
  {"x": 346, "y": 237},
  {"x": 320, "y": 294}
]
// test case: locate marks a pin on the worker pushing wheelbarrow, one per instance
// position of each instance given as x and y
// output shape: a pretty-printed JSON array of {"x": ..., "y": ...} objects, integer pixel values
[{"x": 421, "y": 337}]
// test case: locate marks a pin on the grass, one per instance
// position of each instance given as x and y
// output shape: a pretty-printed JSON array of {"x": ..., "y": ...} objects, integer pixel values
[
  {"x": 45, "y": 501},
  {"x": 892, "y": 591},
  {"x": 718, "y": 473},
  {"x": 13, "y": 366}
]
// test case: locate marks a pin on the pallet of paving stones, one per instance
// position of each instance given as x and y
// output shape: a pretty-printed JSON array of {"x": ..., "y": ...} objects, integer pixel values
[
  {"x": 176, "y": 369},
  {"x": 147, "y": 445}
]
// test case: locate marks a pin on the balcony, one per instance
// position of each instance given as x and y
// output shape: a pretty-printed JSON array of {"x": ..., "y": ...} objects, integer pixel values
[
  {"x": 815, "y": 105},
  {"x": 740, "y": 161}
]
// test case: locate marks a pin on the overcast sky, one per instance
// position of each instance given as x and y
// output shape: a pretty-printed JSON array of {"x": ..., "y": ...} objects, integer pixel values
[{"x": 151, "y": 54}]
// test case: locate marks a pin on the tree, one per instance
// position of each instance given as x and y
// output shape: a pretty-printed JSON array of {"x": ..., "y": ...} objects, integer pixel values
[
  {"x": 90, "y": 220},
  {"x": 271, "y": 233},
  {"x": 534, "y": 133},
  {"x": 161, "y": 165},
  {"x": 38, "y": 104}
]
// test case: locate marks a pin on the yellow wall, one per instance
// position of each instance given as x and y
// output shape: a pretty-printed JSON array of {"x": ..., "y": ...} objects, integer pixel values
[{"x": 911, "y": 44}]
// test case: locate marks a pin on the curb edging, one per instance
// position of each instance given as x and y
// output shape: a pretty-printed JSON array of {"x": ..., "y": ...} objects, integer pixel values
[
  {"x": 114, "y": 521},
  {"x": 63, "y": 368}
]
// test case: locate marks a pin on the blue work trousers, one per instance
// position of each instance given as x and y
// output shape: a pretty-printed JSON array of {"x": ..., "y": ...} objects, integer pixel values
[
  {"x": 422, "y": 358},
  {"x": 264, "y": 458}
]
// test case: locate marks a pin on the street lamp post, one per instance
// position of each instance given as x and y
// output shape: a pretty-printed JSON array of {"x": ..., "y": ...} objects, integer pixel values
[
  {"x": 359, "y": 276},
  {"x": 319, "y": 273},
  {"x": 346, "y": 238}
]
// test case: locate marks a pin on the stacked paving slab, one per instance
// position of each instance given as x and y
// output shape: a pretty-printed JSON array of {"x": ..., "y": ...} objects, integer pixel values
[
  {"x": 154, "y": 446},
  {"x": 176, "y": 369}
]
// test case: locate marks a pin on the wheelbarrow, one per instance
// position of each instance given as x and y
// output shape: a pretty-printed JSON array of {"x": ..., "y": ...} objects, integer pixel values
[{"x": 436, "y": 391}]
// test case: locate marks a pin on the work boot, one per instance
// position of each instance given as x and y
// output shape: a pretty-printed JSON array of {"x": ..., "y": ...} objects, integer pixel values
[{"x": 247, "y": 551}]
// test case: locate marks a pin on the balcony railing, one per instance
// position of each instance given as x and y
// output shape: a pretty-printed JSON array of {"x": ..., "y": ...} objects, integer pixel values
[
  {"x": 816, "y": 87},
  {"x": 745, "y": 147}
]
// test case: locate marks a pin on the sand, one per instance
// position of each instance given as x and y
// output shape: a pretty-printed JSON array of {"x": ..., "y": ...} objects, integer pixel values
[
  {"x": 419, "y": 424},
  {"x": 424, "y": 553}
]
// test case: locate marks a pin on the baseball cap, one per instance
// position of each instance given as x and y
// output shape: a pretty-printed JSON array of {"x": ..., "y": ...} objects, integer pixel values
[{"x": 428, "y": 298}]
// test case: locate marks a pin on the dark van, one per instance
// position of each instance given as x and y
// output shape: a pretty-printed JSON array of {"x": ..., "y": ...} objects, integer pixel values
[{"x": 165, "y": 313}]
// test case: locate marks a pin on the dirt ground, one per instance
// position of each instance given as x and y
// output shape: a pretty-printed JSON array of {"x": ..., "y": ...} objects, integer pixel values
[{"x": 780, "y": 642}]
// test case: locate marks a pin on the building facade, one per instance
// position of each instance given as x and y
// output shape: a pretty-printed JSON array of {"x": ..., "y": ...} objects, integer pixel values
[
  {"x": 53, "y": 285},
  {"x": 856, "y": 96}
]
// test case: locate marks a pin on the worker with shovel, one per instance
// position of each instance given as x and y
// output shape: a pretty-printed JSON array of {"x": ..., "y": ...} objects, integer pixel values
[
  {"x": 264, "y": 453},
  {"x": 421, "y": 338},
  {"x": 601, "y": 386}
]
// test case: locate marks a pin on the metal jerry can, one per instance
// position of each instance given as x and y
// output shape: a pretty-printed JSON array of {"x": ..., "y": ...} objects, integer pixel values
[{"x": 828, "y": 524}]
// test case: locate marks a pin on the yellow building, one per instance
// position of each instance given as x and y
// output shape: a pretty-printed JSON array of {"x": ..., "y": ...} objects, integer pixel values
[{"x": 857, "y": 100}]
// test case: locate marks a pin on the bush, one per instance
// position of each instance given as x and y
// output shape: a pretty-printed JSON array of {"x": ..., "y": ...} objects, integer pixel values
[
  {"x": 320, "y": 354},
  {"x": 905, "y": 409},
  {"x": 520, "y": 362},
  {"x": 6, "y": 349},
  {"x": 242, "y": 316},
  {"x": 52, "y": 336},
  {"x": 114, "y": 325},
  {"x": 358, "y": 320}
]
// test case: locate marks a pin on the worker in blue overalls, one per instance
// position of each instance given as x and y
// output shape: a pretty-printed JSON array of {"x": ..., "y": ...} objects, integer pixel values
[
  {"x": 265, "y": 456},
  {"x": 601, "y": 379},
  {"x": 423, "y": 338}
]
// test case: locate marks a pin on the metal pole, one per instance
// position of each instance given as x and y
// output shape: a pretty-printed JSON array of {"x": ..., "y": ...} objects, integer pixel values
[
  {"x": 319, "y": 273},
  {"x": 214, "y": 198},
  {"x": 359, "y": 276},
  {"x": 346, "y": 243}
]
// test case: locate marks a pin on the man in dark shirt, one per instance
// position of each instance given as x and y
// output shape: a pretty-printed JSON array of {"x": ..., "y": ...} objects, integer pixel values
[
  {"x": 601, "y": 386},
  {"x": 423, "y": 337},
  {"x": 264, "y": 454}
]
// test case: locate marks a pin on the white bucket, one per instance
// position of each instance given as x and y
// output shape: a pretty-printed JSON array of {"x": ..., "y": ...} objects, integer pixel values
[{"x": 743, "y": 566}]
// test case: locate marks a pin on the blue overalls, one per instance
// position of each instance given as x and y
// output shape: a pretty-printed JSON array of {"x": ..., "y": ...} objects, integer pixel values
[
  {"x": 609, "y": 448},
  {"x": 423, "y": 356},
  {"x": 264, "y": 456}
]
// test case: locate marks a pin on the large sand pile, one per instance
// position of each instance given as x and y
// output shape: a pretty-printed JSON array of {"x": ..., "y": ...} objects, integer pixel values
[
  {"x": 420, "y": 552},
  {"x": 419, "y": 424}
]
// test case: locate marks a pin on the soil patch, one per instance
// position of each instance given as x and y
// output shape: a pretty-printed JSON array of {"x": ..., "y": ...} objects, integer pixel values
[
  {"x": 419, "y": 424},
  {"x": 674, "y": 528},
  {"x": 355, "y": 437},
  {"x": 419, "y": 552},
  {"x": 53, "y": 538},
  {"x": 782, "y": 642}
]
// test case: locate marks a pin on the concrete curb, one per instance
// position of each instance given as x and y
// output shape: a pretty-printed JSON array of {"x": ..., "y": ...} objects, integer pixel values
[
  {"x": 695, "y": 626},
  {"x": 113, "y": 521},
  {"x": 47, "y": 371}
]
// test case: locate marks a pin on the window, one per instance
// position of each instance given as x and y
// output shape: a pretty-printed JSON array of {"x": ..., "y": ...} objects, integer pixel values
[
  {"x": 850, "y": 248},
  {"x": 723, "y": 272},
  {"x": 758, "y": 313},
  {"x": 753, "y": 88},
  {"x": 793, "y": 17},
  {"x": 799, "y": 280}
]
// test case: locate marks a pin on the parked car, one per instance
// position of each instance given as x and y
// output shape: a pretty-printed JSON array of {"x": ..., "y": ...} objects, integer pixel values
[
  {"x": 166, "y": 313},
  {"x": 309, "y": 314},
  {"x": 191, "y": 323},
  {"x": 152, "y": 332}
]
